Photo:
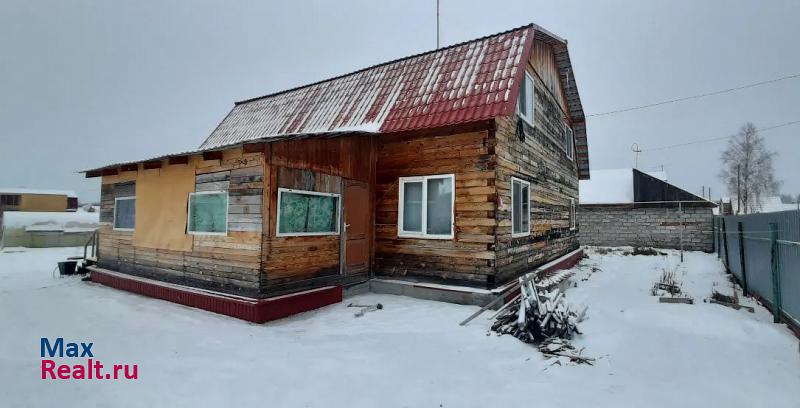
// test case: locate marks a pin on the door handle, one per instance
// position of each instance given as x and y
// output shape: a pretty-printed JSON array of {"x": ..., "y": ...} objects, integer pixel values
[{"x": 346, "y": 225}]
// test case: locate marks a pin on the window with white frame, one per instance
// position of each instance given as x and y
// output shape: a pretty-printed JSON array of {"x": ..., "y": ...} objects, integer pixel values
[
  {"x": 124, "y": 213},
  {"x": 426, "y": 207},
  {"x": 520, "y": 207},
  {"x": 208, "y": 213},
  {"x": 572, "y": 214},
  {"x": 569, "y": 141},
  {"x": 302, "y": 212},
  {"x": 525, "y": 101}
]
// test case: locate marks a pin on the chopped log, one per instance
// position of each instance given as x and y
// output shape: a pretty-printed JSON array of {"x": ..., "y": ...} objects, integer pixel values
[{"x": 686, "y": 300}]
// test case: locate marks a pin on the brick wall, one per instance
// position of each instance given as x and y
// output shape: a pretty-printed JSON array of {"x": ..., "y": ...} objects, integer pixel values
[{"x": 654, "y": 227}]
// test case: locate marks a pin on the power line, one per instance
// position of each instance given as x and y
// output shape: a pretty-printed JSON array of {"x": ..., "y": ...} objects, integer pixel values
[
  {"x": 687, "y": 98},
  {"x": 720, "y": 138}
]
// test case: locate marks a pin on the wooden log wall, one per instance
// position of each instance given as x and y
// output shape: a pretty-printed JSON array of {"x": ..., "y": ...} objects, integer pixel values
[
  {"x": 230, "y": 263},
  {"x": 541, "y": 160},
  {"x": 468, "y": 257},
  {"x": 304, "y": 262}
]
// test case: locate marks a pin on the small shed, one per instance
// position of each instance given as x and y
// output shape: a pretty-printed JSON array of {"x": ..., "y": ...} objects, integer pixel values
[{"x": 629, "y": 207}]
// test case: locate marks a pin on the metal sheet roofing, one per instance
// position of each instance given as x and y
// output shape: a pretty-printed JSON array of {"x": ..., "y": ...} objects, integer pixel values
[
  {"x": 458, "y": 84},
  {"x": 467, "y": 82}
]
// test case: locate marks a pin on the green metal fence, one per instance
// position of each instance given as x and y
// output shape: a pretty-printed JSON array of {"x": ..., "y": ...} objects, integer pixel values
[{"x": 763, "y": 252}]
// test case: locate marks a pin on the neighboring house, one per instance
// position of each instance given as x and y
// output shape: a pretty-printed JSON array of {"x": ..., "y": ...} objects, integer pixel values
[
  {"x": 628, "y": 207},
  {"x": 29, "y": 199},
  {"x": 767, "y": 204},
  {"x": 458, "y": 165}
]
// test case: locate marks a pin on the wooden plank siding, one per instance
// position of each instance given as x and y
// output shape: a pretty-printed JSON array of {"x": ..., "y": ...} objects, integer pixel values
[
  {"x": 541, "y": 160},
  {"x": 468, "y": 257},
  {"x": 303, "y": 262},
  {"x": 230, "y": 263}
]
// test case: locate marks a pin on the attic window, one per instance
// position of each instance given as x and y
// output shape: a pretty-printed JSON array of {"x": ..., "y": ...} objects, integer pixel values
[
  {"x": 569, "y": 141},
  {"x": 525, "y": 101}
]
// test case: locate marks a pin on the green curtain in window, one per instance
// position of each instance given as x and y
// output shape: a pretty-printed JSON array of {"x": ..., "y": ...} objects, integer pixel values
[
  {"x": 307, "y": 213},
  {"x": 208, "y": 212}
]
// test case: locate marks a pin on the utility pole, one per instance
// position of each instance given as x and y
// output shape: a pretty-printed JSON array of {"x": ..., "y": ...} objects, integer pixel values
[{"x": 738, "y": 190}]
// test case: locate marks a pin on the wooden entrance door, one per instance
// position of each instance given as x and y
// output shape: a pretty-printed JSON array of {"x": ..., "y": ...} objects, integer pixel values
[{"x": 356, "y": 227}]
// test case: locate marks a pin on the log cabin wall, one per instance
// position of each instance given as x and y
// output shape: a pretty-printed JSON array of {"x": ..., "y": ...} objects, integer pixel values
[
  {"x": 230, "y": 262},
  {"x": 468, "y": 257},
  {"x": 292, "y": 263},
  {"x": 541, "y": 160}
]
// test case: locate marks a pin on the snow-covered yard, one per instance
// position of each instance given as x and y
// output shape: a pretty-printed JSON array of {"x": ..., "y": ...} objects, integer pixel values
[{"x": 410, "y": 354}]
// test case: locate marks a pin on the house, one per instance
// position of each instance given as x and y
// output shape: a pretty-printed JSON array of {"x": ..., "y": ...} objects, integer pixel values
[
  {"x": 29, "y": 199},
  {"x": 458, "y": 165},
  {"x": 629, "y": 207},
  {"x": 765, "y": 204}
]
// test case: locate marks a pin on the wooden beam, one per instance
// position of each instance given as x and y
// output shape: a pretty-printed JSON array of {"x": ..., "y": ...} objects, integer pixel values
[
  {"x": 93, "y": 173},
  {"x": 110, "y": 171},
  {"x": 152, "y": 165},
  {"x": 213, "y": 155},
  {"x": 179, "y": 160},
  {"x": 130, "y": 167},
  {"x": 253, "y": 147}
]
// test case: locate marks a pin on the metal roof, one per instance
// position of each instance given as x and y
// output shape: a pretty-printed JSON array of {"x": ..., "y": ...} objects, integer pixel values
[
  {"x": 467, "y": 82},
  {"x": 462, "y": 83}
]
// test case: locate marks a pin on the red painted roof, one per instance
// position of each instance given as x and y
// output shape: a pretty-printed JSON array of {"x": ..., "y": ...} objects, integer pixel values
[{"x": 462, "y": 83}]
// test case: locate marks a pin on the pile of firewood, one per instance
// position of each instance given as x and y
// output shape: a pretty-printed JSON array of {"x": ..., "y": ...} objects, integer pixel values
[{"x": 537, "y": 314}]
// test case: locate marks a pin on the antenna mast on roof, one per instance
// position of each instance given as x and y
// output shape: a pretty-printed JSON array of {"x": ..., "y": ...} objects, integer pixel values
[
  {"x": 635, "y": 149},
  {"x": 437, "y": 24}
]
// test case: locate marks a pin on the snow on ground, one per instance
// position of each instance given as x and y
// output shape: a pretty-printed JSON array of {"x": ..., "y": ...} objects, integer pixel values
[{"x": 410, "y": 354}]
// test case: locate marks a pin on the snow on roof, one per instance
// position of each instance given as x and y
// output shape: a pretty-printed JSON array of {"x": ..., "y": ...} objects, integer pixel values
[
  {"x": 765, "y": 205},
  {"x": 16, "y": 190},
  {"x": 51, "y": 221},
  {"x": 613, "y": 186},
  {"x": 465, "y": 82}
]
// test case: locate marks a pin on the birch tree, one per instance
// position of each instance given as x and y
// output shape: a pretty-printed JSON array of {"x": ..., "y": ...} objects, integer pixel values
[{"x": 747, "y": 168}]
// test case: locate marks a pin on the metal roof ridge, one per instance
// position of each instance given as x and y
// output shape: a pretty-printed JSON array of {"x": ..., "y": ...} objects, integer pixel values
[{"x": 529, "y": 25}]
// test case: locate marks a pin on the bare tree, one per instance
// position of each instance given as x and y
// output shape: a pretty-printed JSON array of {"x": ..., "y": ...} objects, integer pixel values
[{"x": 747, "y": 168}]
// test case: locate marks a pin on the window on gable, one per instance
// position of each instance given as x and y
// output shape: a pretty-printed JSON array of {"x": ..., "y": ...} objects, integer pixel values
[
  {"x": 426, "y": 206},
  {"x": 124, "y": 213},
  {"x": 569, "y": 141},
  {"x": 520, "y": 207},
  {"x": 303, "y": 212},
  {"x": 525, "y": 101},
  {"x": 208, "y": 213}
]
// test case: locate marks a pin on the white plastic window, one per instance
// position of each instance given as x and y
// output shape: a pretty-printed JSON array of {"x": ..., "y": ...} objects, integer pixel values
[{"x": 426, "y": 207}]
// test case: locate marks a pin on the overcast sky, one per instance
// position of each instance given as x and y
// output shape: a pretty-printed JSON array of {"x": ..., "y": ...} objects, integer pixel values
[{"x": 85, "y": 83}]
